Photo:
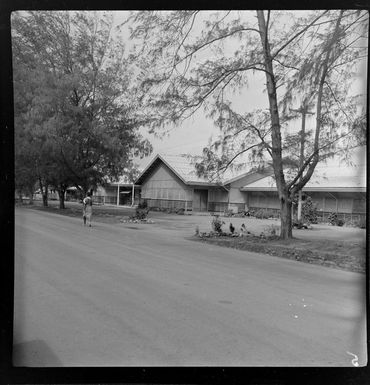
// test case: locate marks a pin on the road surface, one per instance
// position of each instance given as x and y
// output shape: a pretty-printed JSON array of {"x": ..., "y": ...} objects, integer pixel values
[{"x": 136, "y": 295}]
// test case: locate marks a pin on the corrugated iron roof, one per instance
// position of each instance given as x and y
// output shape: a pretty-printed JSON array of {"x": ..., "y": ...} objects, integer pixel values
[
  {"x": 184, "y": 168},
  {"x": 339, "y": 178},
  {"x": 331, "y": 176}
]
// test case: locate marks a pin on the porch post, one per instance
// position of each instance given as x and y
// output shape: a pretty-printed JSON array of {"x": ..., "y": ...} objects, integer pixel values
[
  {"x": 133, "y": 195},
  {"x": 299, "y": 212},
  {"x": 117, "y": 194}
]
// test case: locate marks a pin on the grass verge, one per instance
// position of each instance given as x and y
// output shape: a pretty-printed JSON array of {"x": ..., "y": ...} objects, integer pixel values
[{"x": 328, "y": 253}]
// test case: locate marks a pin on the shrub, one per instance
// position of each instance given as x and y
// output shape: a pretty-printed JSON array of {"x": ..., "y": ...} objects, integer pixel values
[
  {"x": 309, "y": 211},
  {"x": 217, "y": 224},
  {"x": 333, "y": 219},
  {"x": 228, "y": 213},
  {"x": 299, "y": 224},
  {"x": 142, "y": 205},
  {"x": 141, "y": 213},
  {"x": 261, "y": 214},
  {"x": 340, "y": 222},
  {"x": 271, "y": 230},
  {"x": 264, "y": 214}
]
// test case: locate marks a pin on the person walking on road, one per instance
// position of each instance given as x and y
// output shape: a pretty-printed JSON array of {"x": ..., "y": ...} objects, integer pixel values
[{"x": 87, "y": 209}]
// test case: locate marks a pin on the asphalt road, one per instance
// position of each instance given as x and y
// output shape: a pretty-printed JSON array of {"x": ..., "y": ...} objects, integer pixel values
[{"x": 136, "y": 295}]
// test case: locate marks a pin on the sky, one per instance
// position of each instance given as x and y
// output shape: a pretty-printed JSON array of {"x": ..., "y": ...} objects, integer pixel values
[{"x": 194, "y": 134}]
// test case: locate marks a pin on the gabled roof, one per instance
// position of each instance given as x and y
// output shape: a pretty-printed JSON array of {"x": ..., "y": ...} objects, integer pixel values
[
  {"x": 330, "y": 176},
  {"x": 184, "y": 169},
  {"x": 179, "y": 165}
]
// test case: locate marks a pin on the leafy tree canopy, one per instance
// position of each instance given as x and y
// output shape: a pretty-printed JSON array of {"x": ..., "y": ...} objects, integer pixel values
[
  {"x": 194, "y": 59},
  {"x": 191, "y": 60},
  {"x": 73, "y": 111}
]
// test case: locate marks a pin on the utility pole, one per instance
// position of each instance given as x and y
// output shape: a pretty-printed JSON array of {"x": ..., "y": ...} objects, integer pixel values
[
  {"x": 304, "y": 111},
  {"x": 118, "y": 194}
]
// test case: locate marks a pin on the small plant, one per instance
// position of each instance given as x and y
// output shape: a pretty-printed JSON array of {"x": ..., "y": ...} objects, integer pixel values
[
  {"x": 333, "y": 219},
  {"x": 229, "y": 213},
  {"x": 217, "y": 224},
  {"x": 141, "y": 214},
  {"x": 142, "y": 205},
  {"x": 197, "y": 230},
  {"x": 309, "y": 211},
  {"x": 300, "y": 224},
  {"x": 264, "y": 214},
  {"x": 271, "y": 230},
  {"x": 260, "y": 214}
]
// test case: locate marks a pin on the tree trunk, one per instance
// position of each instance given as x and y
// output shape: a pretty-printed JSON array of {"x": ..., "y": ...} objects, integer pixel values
[
  {"x": 276, "y": 150},
  {"x": 61, "y": 194},
  {"x": 285, "y": 218},
  {"x": 45, "y": 199},
  {"x": 44, "y": 193}
]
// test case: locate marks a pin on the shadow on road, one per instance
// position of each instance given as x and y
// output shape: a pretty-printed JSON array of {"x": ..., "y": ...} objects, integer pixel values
[{"x": 34, "y": 353}]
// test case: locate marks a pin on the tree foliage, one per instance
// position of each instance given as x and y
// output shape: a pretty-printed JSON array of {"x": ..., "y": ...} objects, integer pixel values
[
  {"x": 202, "y": 60},
  {"x": 73, "y": 109}
]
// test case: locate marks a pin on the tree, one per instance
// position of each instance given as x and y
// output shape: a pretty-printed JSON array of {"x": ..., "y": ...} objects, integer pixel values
[
  {"x": 79, "y": 112},
  {"x": 199, "y": 60}
]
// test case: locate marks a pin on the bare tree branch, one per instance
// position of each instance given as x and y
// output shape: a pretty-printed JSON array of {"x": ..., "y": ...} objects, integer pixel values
[
  {"x": 196, "y": 49},
  {"x": 297, "y": 34}
]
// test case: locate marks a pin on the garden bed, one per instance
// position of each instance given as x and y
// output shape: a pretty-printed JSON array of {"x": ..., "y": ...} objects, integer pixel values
[{"x": 336, "y": 254}]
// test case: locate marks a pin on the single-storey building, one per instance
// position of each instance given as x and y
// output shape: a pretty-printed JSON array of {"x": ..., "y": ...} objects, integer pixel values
[
  {"x": 171, "y": 182},
  {"x": 117, "y": 193},
  {"x": 333, "y": 189}
]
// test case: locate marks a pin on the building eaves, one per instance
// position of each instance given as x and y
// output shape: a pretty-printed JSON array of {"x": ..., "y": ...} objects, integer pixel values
[
  {"x": 158, "y": 158},
  {"x": 181, "y": 170}
]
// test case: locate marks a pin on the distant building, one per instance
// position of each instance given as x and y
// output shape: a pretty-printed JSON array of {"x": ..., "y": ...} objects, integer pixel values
[
  {"x": 170, "y": 182},
  {"x": 333, "y": 188},
  {"x": 121, "y": 192}
]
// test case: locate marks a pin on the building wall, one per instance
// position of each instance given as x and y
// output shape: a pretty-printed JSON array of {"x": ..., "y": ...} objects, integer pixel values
[
  {"x": 218, "y": 199},
  {"x": 163, "y": 189},
  {"x": 346, "y": 204},
  {"x": 268, "y": 200},
  {"x": 239, "y": 200},
  {"x": 236, "y": 196},
  {"x": 164, "y": 184},
  {"x": 218, "y": 195}
]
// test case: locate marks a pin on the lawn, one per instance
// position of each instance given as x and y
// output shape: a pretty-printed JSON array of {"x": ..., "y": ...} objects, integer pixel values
[{"x": 343, "y": 255}]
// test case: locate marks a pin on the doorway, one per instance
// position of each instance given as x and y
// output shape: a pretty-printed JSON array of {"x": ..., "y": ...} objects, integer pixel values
[{"x": 200, "y": 200}]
